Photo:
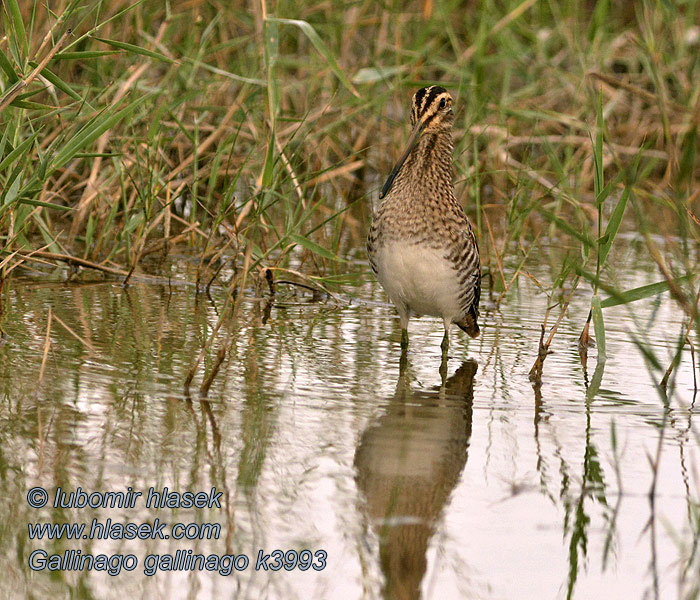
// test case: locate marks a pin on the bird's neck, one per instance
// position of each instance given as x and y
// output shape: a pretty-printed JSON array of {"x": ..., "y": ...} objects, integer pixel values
[{"x": 430, "y": 163}]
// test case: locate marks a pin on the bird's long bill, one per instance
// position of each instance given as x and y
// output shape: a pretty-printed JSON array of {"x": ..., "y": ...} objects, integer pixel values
[{"x": 412, "y": 141}]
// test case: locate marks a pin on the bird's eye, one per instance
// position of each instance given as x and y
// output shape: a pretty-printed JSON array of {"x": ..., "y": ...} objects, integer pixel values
[{"x": 442, "y": 103}]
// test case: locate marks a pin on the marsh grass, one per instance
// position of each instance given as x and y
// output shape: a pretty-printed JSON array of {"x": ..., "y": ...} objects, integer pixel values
[
  {"x": 254, "y": 136},
  {"x": 133, "y": 130},
  {"x": 225, "y": 130}
]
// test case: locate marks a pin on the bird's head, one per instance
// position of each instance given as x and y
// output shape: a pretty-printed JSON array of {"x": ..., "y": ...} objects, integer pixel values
[
  {"x": 431, "y": 109},
  {"x": 431, "y": 112}
]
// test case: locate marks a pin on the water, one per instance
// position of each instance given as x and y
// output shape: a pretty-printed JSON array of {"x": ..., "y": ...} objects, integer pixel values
[{"x": 464, "y": 482}]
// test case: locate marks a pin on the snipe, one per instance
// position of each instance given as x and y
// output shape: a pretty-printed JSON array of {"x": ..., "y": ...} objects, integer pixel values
[{"x": 421, "y": 245}]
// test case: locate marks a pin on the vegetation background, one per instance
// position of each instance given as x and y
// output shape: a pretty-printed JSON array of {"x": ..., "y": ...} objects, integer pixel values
[
  {"x": 255, "y": 135},
  {"x": 249, "y": 139}
]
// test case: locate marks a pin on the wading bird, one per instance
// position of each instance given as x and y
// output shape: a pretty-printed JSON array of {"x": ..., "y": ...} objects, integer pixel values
[{"x": 421, "y": 245}]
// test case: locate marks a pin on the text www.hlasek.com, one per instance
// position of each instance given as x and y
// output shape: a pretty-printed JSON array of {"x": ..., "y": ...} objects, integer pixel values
[
  {"x": 123, "y": 531},
  {"x": 180, "y": 560}
]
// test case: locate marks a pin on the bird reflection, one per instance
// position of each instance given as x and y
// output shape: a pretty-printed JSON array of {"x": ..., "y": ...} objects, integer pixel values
[{"x": 407, "y": 463}]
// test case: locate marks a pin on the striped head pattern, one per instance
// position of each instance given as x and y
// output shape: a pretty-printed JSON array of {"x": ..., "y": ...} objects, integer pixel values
[{"x": 432, "y": 108}]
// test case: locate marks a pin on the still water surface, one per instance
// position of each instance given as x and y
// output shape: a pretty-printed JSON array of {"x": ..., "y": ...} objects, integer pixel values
[{"x": 463, "y": 482}]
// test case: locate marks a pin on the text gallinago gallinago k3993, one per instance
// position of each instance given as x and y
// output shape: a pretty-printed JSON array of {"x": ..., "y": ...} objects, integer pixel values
[{"x": 421, "y": 245}]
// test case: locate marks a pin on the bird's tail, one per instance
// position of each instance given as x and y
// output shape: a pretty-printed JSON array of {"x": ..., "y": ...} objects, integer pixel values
[{"x": 469, "y": 326}]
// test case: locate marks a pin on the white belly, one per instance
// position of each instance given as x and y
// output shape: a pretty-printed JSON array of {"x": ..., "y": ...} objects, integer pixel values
[{"x": 420, "y": 279}]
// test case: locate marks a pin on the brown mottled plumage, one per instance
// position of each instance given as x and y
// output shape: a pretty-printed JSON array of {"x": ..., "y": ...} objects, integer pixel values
[{"x": 421, "y": 245}]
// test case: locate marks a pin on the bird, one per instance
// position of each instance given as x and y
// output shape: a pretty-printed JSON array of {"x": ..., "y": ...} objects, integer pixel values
[{"x": 421, "y": 245}]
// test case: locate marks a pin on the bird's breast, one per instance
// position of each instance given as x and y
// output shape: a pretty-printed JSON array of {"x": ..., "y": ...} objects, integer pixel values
[{"x": 419, "y": 276}]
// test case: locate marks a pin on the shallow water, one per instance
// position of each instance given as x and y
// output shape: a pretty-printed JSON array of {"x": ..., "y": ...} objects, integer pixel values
[{"x": 465, "y": 483}]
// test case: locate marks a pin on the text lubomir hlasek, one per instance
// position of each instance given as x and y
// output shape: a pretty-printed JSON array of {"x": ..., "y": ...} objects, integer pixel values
[{"x": 163, "y": 498}]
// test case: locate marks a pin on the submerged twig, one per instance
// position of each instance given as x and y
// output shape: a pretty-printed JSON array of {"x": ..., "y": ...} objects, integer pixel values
[
  {"x": 85, "y": 343},
  {"x": 47, "y": 344},
  {"x": 676, "y": 359},
  {"x": 206, "y": 384},
  {"x": 224, "y": 315},
  {"x": 72, "y": 260},
  {"x": 543, "y": 347},
  {"x": 542, "y": 351}
]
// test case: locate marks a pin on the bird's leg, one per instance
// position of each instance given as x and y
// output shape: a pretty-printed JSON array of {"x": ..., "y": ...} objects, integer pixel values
[
  {"x": 404, "y": 314},
  {"x": 403, "y": 361},
  {"x": 445, "y": 344},
  {"x": 443, "y": 368}
]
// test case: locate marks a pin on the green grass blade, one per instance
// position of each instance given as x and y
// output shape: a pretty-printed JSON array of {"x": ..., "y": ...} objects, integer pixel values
[
  {"x": 59, "y": 83},
  {"x": 599, "y": 327},
  {"x": 85, "y": 54},
  {"x": 16, "y": 16},
  {"x": 564, "y": 226},
  {"x": 44, "y": 204},
  {"x": 49, "y": 238},
  {"x": 4, "y": 141},
  {"x": 647, "y": 353},
  {"x": 599, "y": 176},
  {"x": 6, "y": 67},
  {"x": 639, "y": 293},
  {"x": 605, "y": 192},
  {"x": 596, "y": 379},
  {"x": 202, "y": 65},
  {"x": 10, "y": 190},
  {"x": 31, "y": 105},
  {"x": 29, "y": 94},
  {"x": 314, "y": 247},
  {"x": 94, "y": 129},
  {"x": 323, "y": 50},
  {"x": 17, "y": 152},
  {"x": 271, "y": 48},
  {"x": 613, "y": 225},
  {"x": 97, "y": 154},
  {"x": 135, "y": 49}
]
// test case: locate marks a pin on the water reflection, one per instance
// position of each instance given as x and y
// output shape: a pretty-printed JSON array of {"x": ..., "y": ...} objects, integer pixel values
[
  {"x": 302, "y": 420},
  {"x": 407, "y": 463}
]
